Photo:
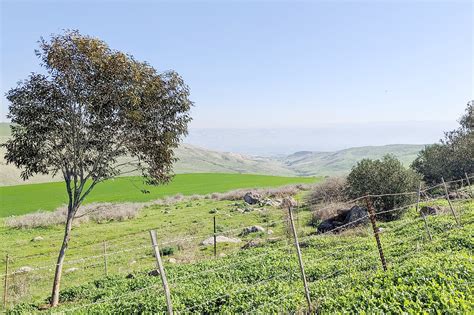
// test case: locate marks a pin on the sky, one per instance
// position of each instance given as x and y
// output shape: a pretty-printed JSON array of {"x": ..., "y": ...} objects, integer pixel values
[{"x": 279, "y": 65}]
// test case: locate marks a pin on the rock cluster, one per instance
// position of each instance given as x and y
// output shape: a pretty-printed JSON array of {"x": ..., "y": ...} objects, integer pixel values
[{"x": 348, "y": 217}]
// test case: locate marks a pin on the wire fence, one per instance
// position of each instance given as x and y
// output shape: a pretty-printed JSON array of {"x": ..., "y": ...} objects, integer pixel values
[{"x": 139, "y": 253}]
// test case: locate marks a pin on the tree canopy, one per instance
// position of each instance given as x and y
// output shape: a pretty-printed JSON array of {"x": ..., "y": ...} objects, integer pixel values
[
  {"x": 91, "y": 107},
  {"x": 453, "y": 157}
]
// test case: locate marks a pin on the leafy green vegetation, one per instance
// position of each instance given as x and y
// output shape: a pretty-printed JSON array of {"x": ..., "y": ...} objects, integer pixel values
[
  {"x": 22, "y": 199},
  {"x": 343, "y": 270}
]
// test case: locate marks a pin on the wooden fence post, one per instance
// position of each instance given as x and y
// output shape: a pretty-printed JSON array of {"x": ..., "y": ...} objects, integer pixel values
[
  {"x": 5, "y": 284},
  {"x": 469, "y": 184},
  {"x": 105, "y": 258},
  {"x": 422, "y": 213},
  {"x": 300, "y": 259},
  {"x": 371, "y": 210},
  {"x": 449, "y": 202},
  {"x": 215, "y": 238},
  {"x": 159, "y": 263}
]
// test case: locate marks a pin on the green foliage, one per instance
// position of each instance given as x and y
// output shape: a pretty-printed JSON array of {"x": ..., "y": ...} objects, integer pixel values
[
  {"x": 48, "y": 196},
  {"x": 385, "y": 176},
  {"x": 453, "y": 156},
  {"x": 167, "y": 251},
  {"x": 343, "y": 271}
]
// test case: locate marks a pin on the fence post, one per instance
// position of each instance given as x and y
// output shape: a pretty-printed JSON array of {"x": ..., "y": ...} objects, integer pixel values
[
  {"x": 162, "y": 271},
  {"x": 215, "y": 238},
  {"x": 105, "y": 258},
  {"x": 300, "y": 259},
  {"x": 371, "y": 210},
  {"x": 469, "y": 184},
  {"x": 5, "y": 284},
  {"x": 422, "y": 214},
  {"x": 449, "y": 202}
]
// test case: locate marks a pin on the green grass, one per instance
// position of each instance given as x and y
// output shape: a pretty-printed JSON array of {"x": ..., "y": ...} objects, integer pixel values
[
  {"x": 343, "y": 271},
  {"x": 20, "y": 199}
]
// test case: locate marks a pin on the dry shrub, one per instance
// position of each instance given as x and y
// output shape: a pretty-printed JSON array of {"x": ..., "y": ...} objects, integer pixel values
[
  {"x": 328, "y": 211},
  {"x": 96, "y": 212},
  {"x": 333, "y": 189},
  {"x": 275, "y": 192}
]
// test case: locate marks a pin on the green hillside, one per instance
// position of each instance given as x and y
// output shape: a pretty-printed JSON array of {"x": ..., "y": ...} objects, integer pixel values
[
  {"x": 21, "y": 199},
  {"x": 340, "y": 162},
  {"x": 199, "y": 160}
]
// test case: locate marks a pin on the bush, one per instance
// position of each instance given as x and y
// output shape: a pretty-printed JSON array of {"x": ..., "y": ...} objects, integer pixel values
[
  {"x": 333, "y": 189},
  {"x": 385, "y": 176},
  {"x": 167, "y": 251},
  {"x": 452, "y": 157}
]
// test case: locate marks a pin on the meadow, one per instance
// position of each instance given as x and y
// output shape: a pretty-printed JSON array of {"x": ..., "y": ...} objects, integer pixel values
[
  {"x": 343, "y": 270},
  {"x": 21, "y": 199}
]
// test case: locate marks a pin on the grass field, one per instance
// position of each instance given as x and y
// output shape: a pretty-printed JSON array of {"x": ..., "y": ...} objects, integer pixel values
[
  {"x": 343, "y": 270},
  {"x": 20, "y": 199}
]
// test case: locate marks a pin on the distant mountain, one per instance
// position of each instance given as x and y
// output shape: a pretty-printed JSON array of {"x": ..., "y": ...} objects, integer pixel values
[
  {"x": 193, "y": 159},
  {"x": 306, "y": 163}
]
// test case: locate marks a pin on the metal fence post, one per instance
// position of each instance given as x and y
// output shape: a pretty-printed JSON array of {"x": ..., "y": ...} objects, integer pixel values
[
  {"x": 215, "y": 238},
  {"x": 5, "y": 284},
  {"x": 105, "y": 258}
]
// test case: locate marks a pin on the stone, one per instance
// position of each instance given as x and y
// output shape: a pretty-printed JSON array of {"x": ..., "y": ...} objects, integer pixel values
[
  {"x": 71, "y": 270},
  {"x": 222, "y": 255},
  {"x": 270, "y": 232},
  {"x": 154, "y": 273},
  {"x": 252, "y": 243},
  {"x": 289, "y": 202},
  {"x": 252, "y": 198},
  {"x": 25, "y": 269},
  {"x": 37, "y": 239},
  {"x": 252, "y": 229},
  {"x": 172, "y": 261},
  {"x": 345, "y": 217},
  {"x": 427, "y": 210},
  {"x": 220, "y": 239}
]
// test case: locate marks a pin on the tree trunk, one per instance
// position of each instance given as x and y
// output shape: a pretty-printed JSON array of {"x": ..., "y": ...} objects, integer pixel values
[{"x": 60, "y": 261}]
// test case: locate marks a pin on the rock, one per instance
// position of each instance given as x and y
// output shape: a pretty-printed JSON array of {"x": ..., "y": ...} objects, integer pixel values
[
  {"x": 458, "y": 195},
  {"x": 133, "y": 262},
  {"x": 130, "y": 276},
  {"x": 427, "y": 210},
  {"x": 355, "y": 215},
  {"x": 252, "y": 198},
  {"x": 71, "y": 270},
  {"x": 172, "y": 260},
  {"x": 252, "y": 243},
  {"x": 154, "y": 273},
  {"x": 252, "y": 229},
  {"x": 24, "y": 269},
  {"x": 270, "y": 232},
  {"x": 347, "y": 217},
  {"x": 288, "y": 202},
  {"x": 37, "y": 239},
  {"x": 222, "y": 255},
  {"x": 220, "y": 239}
]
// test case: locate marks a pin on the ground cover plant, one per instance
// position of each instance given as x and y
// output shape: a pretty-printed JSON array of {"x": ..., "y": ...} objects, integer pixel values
[{"x": 343, "y": 269}]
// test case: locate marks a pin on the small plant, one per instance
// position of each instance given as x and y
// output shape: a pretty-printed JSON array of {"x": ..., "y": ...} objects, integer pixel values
[{"x": 167, "y": 251}]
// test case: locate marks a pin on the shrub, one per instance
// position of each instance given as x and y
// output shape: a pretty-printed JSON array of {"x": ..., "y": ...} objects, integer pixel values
[
  {"x": 453, "y": 156},
  {"x": 97, "y": 212},
  {"x": 385, "y": 176},
  {"x": 333, "y": 189},
  {"x": 167, "y": 251}
]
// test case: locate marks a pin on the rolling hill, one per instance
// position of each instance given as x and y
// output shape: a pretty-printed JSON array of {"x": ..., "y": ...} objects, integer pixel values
[{"x": 193, "y": 159}]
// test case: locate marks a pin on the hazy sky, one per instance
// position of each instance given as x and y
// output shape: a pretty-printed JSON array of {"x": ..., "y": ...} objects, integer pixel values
[{"x": 264, "y": 64}]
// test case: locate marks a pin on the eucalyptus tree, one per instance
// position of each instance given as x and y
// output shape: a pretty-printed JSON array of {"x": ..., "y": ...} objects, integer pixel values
[{"x": 91, "y": 106}]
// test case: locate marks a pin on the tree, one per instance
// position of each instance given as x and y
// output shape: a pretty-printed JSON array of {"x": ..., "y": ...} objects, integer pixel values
[
  {"x": 385, "y": 176},
  {"x": 93, "y": 106},
  {"x": 453, "y": 156}
]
